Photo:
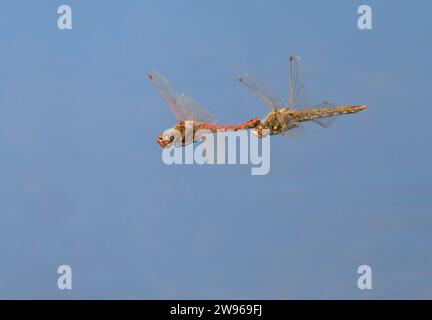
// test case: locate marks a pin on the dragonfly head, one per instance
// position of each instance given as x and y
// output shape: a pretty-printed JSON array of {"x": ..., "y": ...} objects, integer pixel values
[{"x": 166, "y": 138}]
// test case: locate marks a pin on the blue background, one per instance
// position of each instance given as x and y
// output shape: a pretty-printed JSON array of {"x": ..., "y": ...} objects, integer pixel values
[{"x": 82, "y": 181}]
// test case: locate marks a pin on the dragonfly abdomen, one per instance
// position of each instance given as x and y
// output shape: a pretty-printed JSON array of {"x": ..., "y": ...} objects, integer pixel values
[
  {"x": 312, "y": 114},
  {"x": 243, "y": 126}
]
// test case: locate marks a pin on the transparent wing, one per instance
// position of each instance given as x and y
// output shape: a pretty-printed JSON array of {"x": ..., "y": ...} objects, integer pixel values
[
  {"x": 183, "y": 107},
  {"x": 270, "y": 98},
  {"x": 297, "y": 93},
  {"x": 294, "y": 131},
  {"x": 325, "y": 122},
  {"x": 193, "y": 108}
]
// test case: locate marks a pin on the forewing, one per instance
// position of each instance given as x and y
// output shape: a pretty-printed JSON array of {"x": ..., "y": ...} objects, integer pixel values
[
  {"x": 272, "y": 100},
  {"x": 193, "y": 108},
  {"x": 183, "y": 107},
  {"x": 297, "y": 93}
]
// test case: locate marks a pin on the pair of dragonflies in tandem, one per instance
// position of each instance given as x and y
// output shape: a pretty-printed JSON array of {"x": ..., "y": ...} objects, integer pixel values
[{"x": 284, "y": 118}]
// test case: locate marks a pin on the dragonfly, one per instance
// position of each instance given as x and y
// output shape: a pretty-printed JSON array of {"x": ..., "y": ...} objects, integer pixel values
[
  {"x": 194, "y": 121},
  {"x": 286, "y": 118}
]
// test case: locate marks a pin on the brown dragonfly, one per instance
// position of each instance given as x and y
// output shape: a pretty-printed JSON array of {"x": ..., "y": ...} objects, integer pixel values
[
  {"x": 194, "y": 119},
  {"x": 286, "y": 118}
]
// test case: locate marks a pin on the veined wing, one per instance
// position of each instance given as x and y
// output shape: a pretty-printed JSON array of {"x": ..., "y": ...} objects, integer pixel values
[
  {"x": 183, "y": 107},
  {"x": 294, "y": 130},
  {"x": 270, "y": 98},
  {"x": 297, "y": 93},
  {"x": 298, "y": 97}
]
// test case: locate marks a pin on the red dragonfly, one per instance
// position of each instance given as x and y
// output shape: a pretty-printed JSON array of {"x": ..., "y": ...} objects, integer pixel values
[{"x": 193, "y": 117}]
